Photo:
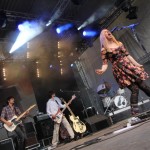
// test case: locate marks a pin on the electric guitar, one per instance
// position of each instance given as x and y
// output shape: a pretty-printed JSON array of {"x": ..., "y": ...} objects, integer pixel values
[
  {"x": 78, "y": 125},
  {"x": 16, "y": 120},
  {"x": 59, "y": 114}
]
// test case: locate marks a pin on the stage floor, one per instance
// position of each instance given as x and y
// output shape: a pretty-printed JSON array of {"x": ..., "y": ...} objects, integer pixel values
[{"x": 115, "y": 137}]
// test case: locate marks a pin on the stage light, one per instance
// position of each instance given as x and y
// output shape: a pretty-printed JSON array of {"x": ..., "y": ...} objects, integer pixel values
[
  {"x": 90, "y": 33},
  {"x": 132, "y": 13},
  {"x": 28, "y": 31},
  {"x": 58, "y": 30},
  {"x": 71, "y": 65},
  {"x": 49, "y": 23},
  {"x": 63, "y": 28},
  {"x": 51, "y": 66},
  {"x": 20, "y": 27}
]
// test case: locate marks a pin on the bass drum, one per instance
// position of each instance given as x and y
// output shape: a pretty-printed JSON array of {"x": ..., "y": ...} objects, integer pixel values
[{"x": 120, "y": 101}]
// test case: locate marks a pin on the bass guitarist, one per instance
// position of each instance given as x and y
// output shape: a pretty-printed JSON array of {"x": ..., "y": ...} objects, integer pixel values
[
  {"x": 53, "y": 109},
  {"x": 8, "y": 112}
]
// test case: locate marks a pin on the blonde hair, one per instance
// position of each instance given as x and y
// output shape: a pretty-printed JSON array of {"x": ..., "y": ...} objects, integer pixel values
[{"x": 104, "y": 41}]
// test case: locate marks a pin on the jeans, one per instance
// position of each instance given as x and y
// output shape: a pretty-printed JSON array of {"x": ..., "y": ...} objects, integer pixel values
[{"x": 19, "y": 137}]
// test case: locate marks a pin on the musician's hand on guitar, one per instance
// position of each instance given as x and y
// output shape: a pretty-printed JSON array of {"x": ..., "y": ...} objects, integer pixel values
[
  {"x": 9, "y": 124},
  {"x": 27, "y": 112},
  {"x": 53, "y": 116}
]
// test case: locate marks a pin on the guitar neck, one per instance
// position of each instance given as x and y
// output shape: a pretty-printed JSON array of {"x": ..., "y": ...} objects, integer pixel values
[
  {"x": 19, "y": 117},
  {"x": 67, "y": 106},
  {"x": 70, "y": 111}
]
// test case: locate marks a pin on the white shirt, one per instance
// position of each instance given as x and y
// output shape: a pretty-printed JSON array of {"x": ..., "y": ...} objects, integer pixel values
[{"x": 53, "y": 105}]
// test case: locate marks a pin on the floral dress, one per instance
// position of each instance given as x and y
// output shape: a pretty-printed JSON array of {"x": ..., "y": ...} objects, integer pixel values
[{"x": 124, "y": 71}]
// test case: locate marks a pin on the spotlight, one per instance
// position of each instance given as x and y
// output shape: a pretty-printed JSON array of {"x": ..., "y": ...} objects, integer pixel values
[
  {"x": 63, "y": 28},
  {"x": 51, "y": 66},
  {"x": 49, "y": 23},
  {"x": 132, "y": 13},
  {"x": 20, "y": 27},
  {"x": 71, "y": 65},
  {"x": 29, "y": 30},
  {"x": 58, "y": 30},
  {"x": 90, "y": 33}
]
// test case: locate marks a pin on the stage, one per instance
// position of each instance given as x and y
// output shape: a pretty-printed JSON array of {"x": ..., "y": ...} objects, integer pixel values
[{"x": 117, "y": 136}]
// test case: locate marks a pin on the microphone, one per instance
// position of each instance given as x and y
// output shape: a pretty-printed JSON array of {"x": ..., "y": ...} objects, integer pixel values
[{"x": 114, "y": 29}]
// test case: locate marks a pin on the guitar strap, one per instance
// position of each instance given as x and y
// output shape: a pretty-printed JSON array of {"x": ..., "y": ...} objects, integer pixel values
[
  {"x": 56, "y": 102},
  {"x": 59, "y": 108},
  {"x": 15, "y": 111}
]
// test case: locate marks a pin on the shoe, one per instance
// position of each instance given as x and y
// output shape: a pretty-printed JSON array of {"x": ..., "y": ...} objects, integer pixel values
[
  {"x": 51, "y": 147},
  {"x": 68, "y": 140},
  {"x": 134, "y": 120}
]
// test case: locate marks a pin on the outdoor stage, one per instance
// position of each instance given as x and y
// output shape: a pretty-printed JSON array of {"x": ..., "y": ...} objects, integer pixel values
[{"x": 115, "y": 137}]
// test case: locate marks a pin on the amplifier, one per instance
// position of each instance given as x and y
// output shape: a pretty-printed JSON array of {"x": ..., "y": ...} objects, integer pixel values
[
  {"x": 41, "y": 117},
  {"x": 3, "y": 133},
  {"x": 7, "y": 144}
]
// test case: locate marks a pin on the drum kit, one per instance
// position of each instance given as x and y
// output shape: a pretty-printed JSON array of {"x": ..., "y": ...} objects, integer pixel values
[{"x": 111, "y": 100}]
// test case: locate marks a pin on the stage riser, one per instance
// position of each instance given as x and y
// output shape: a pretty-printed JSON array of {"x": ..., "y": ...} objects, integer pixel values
[{"x": 127, "y": 113}]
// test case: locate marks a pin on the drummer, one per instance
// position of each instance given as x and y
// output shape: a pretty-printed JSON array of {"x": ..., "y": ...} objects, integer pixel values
[{"x": 105, "y": 90}]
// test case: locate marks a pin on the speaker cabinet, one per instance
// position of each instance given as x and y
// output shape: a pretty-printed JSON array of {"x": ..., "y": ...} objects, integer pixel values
[
  {"x": 7, "y": 144},
  {"x": 31, "y": 141},
  {"x": 3, "y": 133},
  {"x": 97, "y": 122},
  {"x": 44, "y": 129}
]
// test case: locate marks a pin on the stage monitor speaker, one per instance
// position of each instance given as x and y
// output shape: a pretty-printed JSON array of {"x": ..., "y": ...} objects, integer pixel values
[
  {"x": 44, "y": 129},
  {"x": 97, "y": 122},
  {"x": 7, "y": 144}
]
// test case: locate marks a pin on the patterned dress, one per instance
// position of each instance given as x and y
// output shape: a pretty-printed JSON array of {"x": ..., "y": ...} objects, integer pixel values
[{"x": 124, "y": 71}]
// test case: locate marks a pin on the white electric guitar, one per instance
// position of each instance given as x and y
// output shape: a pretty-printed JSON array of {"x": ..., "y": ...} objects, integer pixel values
[
  {"x": 16, "y": 120},
  {"x": 78, "y": 125},
  {"x": 59, "y": 114}
]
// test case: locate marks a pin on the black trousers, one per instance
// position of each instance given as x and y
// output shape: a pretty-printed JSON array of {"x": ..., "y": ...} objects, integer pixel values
[
  {"x": 134, "y": 88},
  {"x": 19, "y": 137}
]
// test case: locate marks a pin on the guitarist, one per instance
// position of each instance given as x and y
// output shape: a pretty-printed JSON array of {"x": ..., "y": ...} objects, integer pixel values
[
  {"x": 53, "y": 108},
  {"x": 7, "y": 113}
]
